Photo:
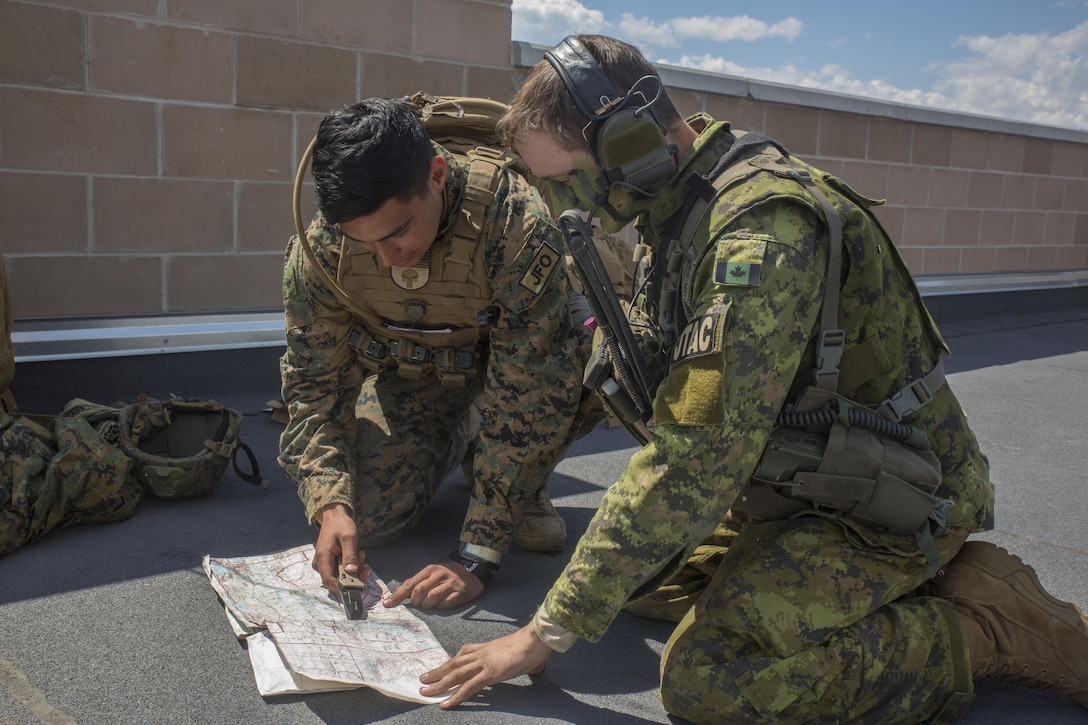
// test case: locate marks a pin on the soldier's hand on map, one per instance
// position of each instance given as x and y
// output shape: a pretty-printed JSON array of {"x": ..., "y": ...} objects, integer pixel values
[
  {"x": 337, "y": 539},
  {"x": 476, "y": 666},
  {"x": 438, "y": 586}
]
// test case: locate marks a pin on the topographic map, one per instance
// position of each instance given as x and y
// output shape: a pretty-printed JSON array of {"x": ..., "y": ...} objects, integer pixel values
[{"x": 299, "y": 639}]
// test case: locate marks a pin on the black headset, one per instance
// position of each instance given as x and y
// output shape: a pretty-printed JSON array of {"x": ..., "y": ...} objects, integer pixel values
[{"x": 624, "y": 135}]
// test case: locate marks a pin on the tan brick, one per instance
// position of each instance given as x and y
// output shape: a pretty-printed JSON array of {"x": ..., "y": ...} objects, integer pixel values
[
  {"x": 40, "y": 46},
  {"x": 1011, "y": 259},
  {"x": 742, "y": 113},
  {"x": 1018, "y": 191},
  {"x": 984, "y": 190},
  {"x": 969, "y": 148},
  {"x": 276, "y": 17},
  {"x": 43, "y": 212},
  {"x": 948, "y": 188},
  {"x": 996, "y": 228},
  {"x": 1042, "y": 259},
  {"x": 941, "y": 261},
  {"x": 1076, "y": 195},
  {"x": 891, "y": 218},
  {"x": 831, "y": 166},
  {"x": 1080, "y": 234},
  {"x": 286, "y": 74},
  {"x": 889, "y": 140},
  {"x": 390, "y": 76},
  {"x": 224, "y": 282},
  {"x": 908, "y": 185},
  {"x": 473, "y": 32},
  {"x": 932, "y": 145},
  {"x": 1005, "y": 153},
  {"x": 161, "y": 61},
  {"x": 227, "y": 143},
  {"x": 265, "y": 219},
  {"x": 1060, "y": 228},
  {"x": 307, "y": 125},
  {"x": 374, "y": 24},
  {"x": 1071, "y": 258},
  {"x": 43, "y": 130},
  {"x": 1050, "y": 193},
  {"x": 913, "y": 259},
  {"x": 922, "y": 227},
  {"x": 85, "y": 285},
  {"x": 491, "y": 83},
  {"x": 961, "y": 227},
  {"x": 843, "y": 135},
  {"x": 867, "y": 178},
  {"x": 1038, "y": 156},
  {"x": 189, "y": 216},
  {"x": 977, "y": 261},
  {"x": 149, "y": 8},
  {"x": 795, "y": 127},
  {"x": 1069, "y": 159},
  {"x": 1029, "y": 228}
]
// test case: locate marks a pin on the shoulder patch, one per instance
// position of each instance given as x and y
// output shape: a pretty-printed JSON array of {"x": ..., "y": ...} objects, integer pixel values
[
  {"x": 541, "y": 267},
  {"x": 739, "y": 262},
  {"x": 701, "y": 336}
]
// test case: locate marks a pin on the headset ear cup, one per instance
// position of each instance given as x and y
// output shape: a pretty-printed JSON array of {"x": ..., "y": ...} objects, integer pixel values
[{"x": 633, "y": 150}]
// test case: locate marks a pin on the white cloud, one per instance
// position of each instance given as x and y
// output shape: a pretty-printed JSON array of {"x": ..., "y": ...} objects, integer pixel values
[
  {"x": 1039, "y": 78},
  {"x": 671, "y": 33},
  {"x": 549, "y": 21}
]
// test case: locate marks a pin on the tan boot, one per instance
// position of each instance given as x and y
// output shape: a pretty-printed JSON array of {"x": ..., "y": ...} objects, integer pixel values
[
  {"x": 1016, "y": 631},
  {"x": 540, "y": 527}
]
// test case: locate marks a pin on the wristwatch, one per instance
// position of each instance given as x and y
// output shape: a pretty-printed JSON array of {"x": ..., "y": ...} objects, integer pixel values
[{"x": 483, "y": 570}]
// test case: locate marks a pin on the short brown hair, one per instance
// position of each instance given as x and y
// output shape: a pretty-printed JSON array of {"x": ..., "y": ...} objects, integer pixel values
[{"x": 544, "y": 104}]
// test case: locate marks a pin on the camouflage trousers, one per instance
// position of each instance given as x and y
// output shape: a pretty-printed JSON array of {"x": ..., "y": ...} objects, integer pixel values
[
  {"x": 411, "y": 435},
  {"x": 811, "y": 620}
]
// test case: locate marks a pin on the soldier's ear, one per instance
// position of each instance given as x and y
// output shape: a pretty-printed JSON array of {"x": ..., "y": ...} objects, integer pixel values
[{"x": 438, "y": 172}]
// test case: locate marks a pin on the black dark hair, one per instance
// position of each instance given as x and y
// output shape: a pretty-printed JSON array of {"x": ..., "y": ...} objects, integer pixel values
[{"x": 368, "y": 153}]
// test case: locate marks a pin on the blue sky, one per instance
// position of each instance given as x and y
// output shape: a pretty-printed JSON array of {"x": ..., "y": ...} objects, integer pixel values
[{"x": 1025, "y": 60}]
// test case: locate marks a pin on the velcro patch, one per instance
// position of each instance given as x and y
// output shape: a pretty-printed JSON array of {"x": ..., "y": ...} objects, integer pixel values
[
  {"x": 746, "y": 274},
  {"x": 543, "y": 265},
  {"x": 739, "y": 262},
  {"x": 701, "y": 336}
]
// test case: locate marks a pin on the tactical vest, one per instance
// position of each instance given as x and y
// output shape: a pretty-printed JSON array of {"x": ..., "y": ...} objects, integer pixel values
[
  {"x": 827, "y": 452},
  {"x": 431, "y": 318}
]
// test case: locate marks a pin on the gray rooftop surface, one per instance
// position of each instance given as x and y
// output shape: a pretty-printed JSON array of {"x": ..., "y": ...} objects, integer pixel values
[{"x": 117, "y": 623}]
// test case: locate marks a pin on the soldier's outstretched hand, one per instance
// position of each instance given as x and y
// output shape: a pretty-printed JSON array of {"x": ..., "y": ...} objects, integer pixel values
[
  {"x": 438, "y": 586},
  {"x": 476, "y": 666}
]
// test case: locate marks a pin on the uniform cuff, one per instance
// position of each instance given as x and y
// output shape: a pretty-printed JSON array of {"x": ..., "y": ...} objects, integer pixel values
[{"x": 556, "y": 636}]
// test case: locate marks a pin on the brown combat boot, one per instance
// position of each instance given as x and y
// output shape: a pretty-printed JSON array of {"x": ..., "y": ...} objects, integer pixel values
[
  {"x": 540, "y": 527},
  {"x": 1016, "y": 631}
]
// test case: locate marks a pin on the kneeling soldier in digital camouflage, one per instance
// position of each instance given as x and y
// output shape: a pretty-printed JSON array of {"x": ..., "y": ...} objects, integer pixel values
[
  {"x": 808, "y": 480},
  {"x": 434, "y": 328}
]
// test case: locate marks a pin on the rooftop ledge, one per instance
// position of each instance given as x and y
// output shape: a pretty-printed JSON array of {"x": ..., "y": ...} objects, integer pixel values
[{"x": 69, "y": 338}]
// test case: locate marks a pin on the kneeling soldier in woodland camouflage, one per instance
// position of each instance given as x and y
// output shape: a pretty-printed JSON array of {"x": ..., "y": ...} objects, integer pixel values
[
  {"x": 428, "y": 324},
  {"x": 808, "y": 479}
]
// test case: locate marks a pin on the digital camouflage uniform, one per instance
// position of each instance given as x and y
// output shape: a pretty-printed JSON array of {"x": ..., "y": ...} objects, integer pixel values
[
  {"x": 807, "y": 619},
  {"x": 381, "y": 444}
]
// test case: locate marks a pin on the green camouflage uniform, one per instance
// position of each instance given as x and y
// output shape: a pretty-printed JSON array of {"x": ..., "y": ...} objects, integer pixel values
[
  {"x": 807, "y": 619},
  {"x": 381, "y": 444}
]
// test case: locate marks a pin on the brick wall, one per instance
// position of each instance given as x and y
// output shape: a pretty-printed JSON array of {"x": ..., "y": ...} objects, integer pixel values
[
  {"x": 147, "y": 147},
  {"x": 960, "y": 200}
]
